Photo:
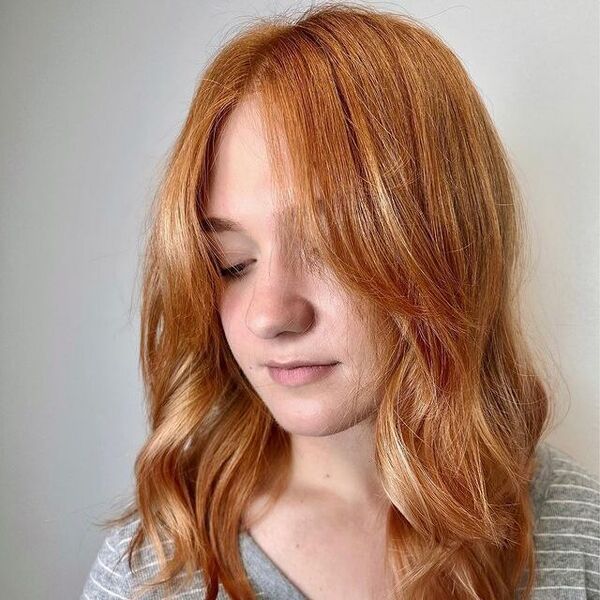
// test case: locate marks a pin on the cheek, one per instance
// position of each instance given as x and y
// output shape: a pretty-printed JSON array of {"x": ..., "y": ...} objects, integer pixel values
[{"x": 231, "y": 314}]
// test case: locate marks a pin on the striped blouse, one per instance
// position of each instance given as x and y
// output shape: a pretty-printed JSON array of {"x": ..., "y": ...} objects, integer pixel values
[{"x": 566, "y": 500}]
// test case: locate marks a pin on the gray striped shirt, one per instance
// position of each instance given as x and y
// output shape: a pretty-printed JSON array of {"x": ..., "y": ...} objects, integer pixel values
[{"x": 566, "y": 500}]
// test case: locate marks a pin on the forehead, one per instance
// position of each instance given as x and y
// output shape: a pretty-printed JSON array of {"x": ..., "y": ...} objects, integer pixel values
[
  {"x": 242, "y": 196},
  {"x": 240, "y": 175}
]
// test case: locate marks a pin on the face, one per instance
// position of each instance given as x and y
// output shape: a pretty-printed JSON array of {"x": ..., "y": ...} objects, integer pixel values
[{"x": 271, "y": 313}]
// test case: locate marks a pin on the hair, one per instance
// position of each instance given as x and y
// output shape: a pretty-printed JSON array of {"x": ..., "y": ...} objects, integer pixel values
[{"x": 392, "y": 175}]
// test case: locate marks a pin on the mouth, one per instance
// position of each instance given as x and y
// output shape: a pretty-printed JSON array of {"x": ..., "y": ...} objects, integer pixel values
[
  {"x": 300, "y": 374},
  {"x": 292, "y": 364}
]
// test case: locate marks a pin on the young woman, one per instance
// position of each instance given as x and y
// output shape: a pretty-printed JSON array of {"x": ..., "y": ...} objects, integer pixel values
[{"x": 341, "y": 403}]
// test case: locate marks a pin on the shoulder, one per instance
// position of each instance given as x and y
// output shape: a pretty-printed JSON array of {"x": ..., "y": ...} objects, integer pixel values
[
  {"x": 110, "y": 576},
  {"x": 566, "y": 498},
  {"x": 563, "y": 486}
]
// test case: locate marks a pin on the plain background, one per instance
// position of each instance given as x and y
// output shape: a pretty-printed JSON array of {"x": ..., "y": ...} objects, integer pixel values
[{"x": 92, "y": 95}]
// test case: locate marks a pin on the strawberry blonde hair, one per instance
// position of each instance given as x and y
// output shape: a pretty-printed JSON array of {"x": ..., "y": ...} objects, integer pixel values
[{"x": 392, "y": 175}]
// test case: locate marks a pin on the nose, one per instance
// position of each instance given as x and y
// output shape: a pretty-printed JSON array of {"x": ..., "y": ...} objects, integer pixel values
[{"x": 279, "y": 302}]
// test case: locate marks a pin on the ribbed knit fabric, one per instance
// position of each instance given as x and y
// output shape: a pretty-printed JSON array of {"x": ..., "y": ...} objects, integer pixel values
[{"x": 566, "y": 499}]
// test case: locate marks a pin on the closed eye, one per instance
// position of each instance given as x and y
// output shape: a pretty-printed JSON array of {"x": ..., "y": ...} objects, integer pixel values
[{"x": 234, "y": 272}]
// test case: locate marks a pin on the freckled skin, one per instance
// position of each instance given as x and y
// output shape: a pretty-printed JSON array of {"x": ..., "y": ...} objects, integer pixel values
[{"x": 271, "y": 313}]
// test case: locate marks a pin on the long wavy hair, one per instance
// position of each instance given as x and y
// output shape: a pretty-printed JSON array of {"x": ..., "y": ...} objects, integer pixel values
[{"x": 393, "y": 176}]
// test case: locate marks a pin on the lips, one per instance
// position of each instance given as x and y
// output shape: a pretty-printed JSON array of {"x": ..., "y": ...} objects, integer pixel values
[
  {"x": 293, "y": 364},
  {"x": 300, "y": 375}
]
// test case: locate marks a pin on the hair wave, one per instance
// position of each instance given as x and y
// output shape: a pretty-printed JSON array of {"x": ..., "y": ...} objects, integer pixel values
[{"x": 401, "y": 186}]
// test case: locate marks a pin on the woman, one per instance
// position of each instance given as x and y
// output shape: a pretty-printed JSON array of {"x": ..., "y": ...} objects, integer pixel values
[{"x": 341, "y": 403}]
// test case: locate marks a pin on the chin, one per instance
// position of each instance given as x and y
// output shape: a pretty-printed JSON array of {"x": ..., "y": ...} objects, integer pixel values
[{"x": 309, "y": 418}]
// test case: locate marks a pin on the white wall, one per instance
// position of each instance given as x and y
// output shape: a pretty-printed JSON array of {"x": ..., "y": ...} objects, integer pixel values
[{"x": 92, "y": 95}]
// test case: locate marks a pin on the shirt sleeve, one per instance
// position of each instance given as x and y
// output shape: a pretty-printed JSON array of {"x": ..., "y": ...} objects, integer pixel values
[
  {"x": 109, "y": 577},
  {"x": 568, "y": 532}
]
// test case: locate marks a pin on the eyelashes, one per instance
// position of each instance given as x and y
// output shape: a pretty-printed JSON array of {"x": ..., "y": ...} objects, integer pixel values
[
  {"x": 238, "y": 271},
  {"x": 234, "y": 272}
]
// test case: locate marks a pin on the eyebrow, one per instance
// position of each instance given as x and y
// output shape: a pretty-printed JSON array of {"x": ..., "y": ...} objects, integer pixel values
[{"x": 218, "y": 224}]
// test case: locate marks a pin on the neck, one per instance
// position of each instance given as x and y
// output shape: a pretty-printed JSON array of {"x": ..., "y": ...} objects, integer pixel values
[{"x": 339, "y": 466}]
